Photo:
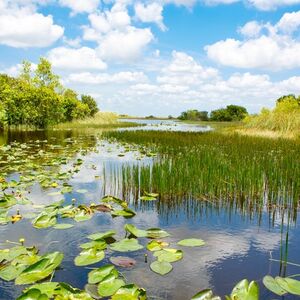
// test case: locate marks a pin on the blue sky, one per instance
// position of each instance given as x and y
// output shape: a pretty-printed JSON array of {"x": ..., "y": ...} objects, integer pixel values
[{"x": 160, "y": 57}]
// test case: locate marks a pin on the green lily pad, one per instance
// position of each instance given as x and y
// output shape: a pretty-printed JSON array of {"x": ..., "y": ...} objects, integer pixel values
[
  {"x": 156, "y": 245},
  {"x": 292, "y": 286},
  {"x": 161, "y": 267},
  {"x": 109, "y": 285},
  {"x": 148, "y": 198},
  {"x": 102, "y": 235},
  {"x": 169, "y": 255},
  {"x": 63, "y": 226},
  {"x": 89, "y": 257},
  {"x": 272, "y": 285},
  {"x": 205, "y": 295},
  {"x": 191, "y": 243},
  {"x": 245, "y": 291},
  {"x": 44, "y": 220},
  {"x": 41, "y": 269},
  {"x": 98, "y": 244},
  {"x": 98, "y": 275},
  {"x": 126, "y": 212},
  {"x": 156, "y": 233},
  {"x": 130, "y": 292},
  {"x": 47, "y": 288},
  {"x": 33, "y": 294},
  {"x": 126, "y": 245},
  {"x": 135, "y": 231}
]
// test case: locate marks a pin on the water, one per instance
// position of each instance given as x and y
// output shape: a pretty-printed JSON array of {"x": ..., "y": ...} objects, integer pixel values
[
  {"x": 238, "y": 245},
  {"x": 165, "y": 125}
]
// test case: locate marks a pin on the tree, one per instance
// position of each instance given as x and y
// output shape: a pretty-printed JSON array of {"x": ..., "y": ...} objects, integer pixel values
[
  {"x": 230, "y": 113},
  {"x": 45, "y": 77},
  {"x": 194, "y": 115},
  {"x": 25, "y": 74},
  {"x": 91, "y": 103},
  {"x": 288, "y": 98}
]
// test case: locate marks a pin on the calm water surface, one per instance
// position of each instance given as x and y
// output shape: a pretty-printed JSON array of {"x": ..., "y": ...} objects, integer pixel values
[{"x": 238, "y": 245}]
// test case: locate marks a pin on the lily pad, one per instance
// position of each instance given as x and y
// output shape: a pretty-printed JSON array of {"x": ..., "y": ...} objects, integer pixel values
[
  {"x": 156, "y": 233},
  {"x": 98, "y": 275},
  {"x": 161, "y": 267},
  {"x": 126, "y": 245},
  {"x": 272, "y": 285},
  {"x": 169, "y": 255},
  {"x": 191, "y": 243},
  {"x": 245, "y": 291},
  {"x": 33, "y": 294},
  {"x": 109, "y": 285},
  {"x": 135, "y": 231},
  {"x": 89, "y": 257},
  {"x": 41, "y": 269},
  {"x": 102, "y": 235},
  {"x": 130, "y": 292},
  {"x": 292, "y": 286},
  {"x": 63, "y": 226},
  {"x": 205, "y": 295},
  {"x": 123, "y": 261},
  {"x": 156, "y": 245}
]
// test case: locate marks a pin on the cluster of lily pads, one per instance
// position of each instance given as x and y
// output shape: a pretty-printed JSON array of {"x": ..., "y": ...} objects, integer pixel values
[{"x": 250, "y": 291}]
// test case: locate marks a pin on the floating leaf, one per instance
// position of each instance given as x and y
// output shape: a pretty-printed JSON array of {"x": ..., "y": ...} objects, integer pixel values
[
  {"x": 161, "y": 267},
  {"x": 123, "y": 261},
  {"x": 157, "y": 245},
  {"x": 89, "y": 257},
  {"x": 292, "y": 286},
  {"x": 109, "y": 285},
  {"x": 130, "y": 292},
  {"x": 205, "y": 295},
  {"x": 33, "y": 294},
  {"x": 148, "y": 198},
  {"x": 272, "y": 285},
  {"x": 126, "y": 245},
  {"x": 98, "y": 244},
  {"x": 135, "y": 231},
  {"x": 41, "y": 269},
  {"x": 191, "y": 243},
  {"x": 126, "y": 212},
  {"x": 44, "y": 220},
  {"x": 245, "y": 291},
  {"x": 98, "y": 275},
  {"x": 169, "y": 255},
  {"x": 102, "y": 235},
  {"x": 156, "y": 233},
  {"x": 63, "y": 226}
]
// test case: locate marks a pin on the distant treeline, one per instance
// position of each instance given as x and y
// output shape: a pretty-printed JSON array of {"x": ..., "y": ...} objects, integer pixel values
[
  {"x": 228, "y": 114},
  {"x": 37, "y": 99}
]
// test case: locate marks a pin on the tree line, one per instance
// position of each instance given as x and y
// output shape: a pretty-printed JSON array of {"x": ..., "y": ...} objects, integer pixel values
[
  {"x": 38, "y": 99},
  {"x": 230, "y": 113}
]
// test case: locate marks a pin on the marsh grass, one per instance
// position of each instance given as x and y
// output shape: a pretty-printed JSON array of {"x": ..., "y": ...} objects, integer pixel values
[
  {"x": 100, "y": 120},
  {"x": 253, "y": 172}
]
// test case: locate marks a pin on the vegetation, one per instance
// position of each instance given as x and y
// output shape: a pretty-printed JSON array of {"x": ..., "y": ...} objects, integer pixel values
[
  {"x": 216, "y": 167},
  {"x": 228, "y": 114},
  {"x": 37, "y": 99},
  {"x": 284, "y": 118},
  {"x": 194, "y": 115}
]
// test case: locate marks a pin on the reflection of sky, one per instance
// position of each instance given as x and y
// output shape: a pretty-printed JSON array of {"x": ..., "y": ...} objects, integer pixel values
[
  {"x": 166, "y": 125},
  {"x": 236, "y": 246}
]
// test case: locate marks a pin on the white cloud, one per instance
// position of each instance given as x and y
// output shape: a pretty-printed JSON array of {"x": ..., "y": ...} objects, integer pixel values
[
  {"x": 150, "y": 13},
  {"x": 75, "y": 59},
  {"x": 80, "y": 6},
  {"x": 215, "y": 2},
  {"x": 22, "y": 28},
  {"x": 271, "y": 4},
  {"x": 251, "y": 29},
  {"x": 272, "y": 47},
  {"x": 105, "y": 78},
  {"x": 289, "y": 23},
  {"x": 125, "y": 46}
]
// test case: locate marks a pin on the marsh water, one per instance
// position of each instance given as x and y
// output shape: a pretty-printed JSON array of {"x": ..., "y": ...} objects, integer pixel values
[{"x": 240, "y": 242}]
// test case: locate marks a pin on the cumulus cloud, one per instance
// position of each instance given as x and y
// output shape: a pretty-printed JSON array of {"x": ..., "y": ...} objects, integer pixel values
[
  {"x": 83, "y": 58},
  {"x": 271, "y": 4},
  {"x": 273, "y": 47},
  {"x": 85, "y": 6},
  {"x": 104, "y": 78},
  {"x": 150, "y": 13},
  {"x": 23, "y": 27}
]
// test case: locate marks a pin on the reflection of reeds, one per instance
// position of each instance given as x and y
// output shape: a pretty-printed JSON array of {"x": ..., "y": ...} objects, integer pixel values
[{"x": 248, "y": 172}]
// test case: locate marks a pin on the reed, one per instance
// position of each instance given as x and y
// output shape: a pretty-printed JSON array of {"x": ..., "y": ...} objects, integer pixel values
[{"x": 253, "y": 172}]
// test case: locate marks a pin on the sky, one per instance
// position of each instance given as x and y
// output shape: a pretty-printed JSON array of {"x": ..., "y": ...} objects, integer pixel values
[{"x": 160, "y": 57}]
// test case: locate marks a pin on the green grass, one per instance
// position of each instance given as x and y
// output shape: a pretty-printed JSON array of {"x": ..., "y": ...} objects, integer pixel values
[
  {"x": 251, "y": 172},
  {"x": 100, "y": 120}
]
